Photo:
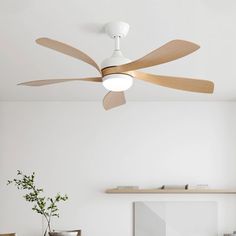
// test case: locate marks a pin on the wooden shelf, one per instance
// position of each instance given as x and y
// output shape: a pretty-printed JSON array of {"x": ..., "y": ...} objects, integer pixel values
[{"x": 170, "y": 191}]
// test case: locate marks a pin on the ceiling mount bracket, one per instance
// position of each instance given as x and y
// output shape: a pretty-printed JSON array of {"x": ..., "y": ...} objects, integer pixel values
[{"x": 117, "y": 29}]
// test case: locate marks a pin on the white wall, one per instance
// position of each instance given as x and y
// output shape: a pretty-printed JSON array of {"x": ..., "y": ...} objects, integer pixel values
[{"x": 80, "y": 149}]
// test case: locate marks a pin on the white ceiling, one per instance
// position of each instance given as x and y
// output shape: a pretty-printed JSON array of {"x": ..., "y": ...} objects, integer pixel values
[{"x": 210, "y": 23}]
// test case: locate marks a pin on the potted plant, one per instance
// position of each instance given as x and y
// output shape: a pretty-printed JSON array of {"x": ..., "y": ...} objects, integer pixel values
[{"x": 45, "y": 206}]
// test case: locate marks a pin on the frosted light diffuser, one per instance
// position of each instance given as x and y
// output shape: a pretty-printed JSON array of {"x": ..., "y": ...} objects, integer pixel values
[{"x": 117, "y": 82}]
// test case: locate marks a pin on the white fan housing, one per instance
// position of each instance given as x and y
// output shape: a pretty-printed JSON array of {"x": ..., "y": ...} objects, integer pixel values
[{"x": 116, "y": 82}]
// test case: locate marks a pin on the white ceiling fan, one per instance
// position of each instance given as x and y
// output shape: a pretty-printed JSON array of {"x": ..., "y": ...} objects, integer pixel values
[{"x": 117, "y": 72}]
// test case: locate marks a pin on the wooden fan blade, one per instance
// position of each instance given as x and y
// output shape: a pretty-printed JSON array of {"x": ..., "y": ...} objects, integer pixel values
[
  {"x": 56, "y": 81},
  {"x": 68, "y": 50},
  {"x": 192, "y": 85},
  {"x": 113, "y": 99},
  {"x": 169, "y": 52}
]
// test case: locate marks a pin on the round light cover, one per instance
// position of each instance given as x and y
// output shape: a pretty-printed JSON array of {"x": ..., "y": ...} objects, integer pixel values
[{"x": 117, "y": 82}]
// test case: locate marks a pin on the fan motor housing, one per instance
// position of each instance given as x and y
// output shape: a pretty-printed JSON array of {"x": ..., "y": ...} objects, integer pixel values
[{"x": 116, "y": 59}]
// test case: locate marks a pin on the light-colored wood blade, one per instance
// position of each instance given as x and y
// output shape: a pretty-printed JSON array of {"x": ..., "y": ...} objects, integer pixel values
[
  {"x": 67, "y": 50},
  {"x": 186, "y": 84},
  {"x": 10, "y": 234},
  {"x": 113, "y": 99},
  {"x": 56, "y": 81},
  {"x": 169, "y": 52}
]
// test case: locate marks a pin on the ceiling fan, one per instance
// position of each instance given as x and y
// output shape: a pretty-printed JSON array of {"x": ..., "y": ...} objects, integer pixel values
[{"x": 117, "y": 72}]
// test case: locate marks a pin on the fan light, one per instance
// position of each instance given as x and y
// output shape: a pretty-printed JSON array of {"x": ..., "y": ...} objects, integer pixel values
[{"x": 117, "y": 82}]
